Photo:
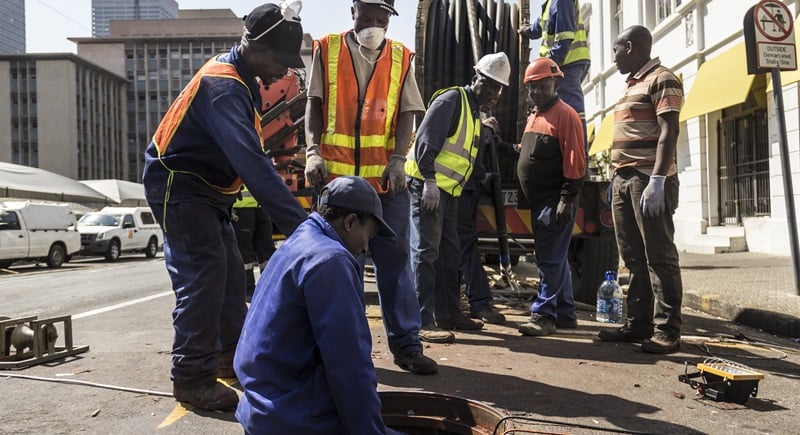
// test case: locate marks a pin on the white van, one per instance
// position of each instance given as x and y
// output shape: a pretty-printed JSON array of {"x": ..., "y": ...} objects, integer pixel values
[
  {"x": 37, "y": 231},
  {"x": 114, "y": 230}
]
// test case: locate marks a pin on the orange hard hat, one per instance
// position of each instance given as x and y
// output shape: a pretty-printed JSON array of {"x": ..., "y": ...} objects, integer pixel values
[{"x": 541, "y": 68}]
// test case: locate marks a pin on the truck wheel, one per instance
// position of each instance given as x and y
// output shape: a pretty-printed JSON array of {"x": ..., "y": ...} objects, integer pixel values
[
  {"x": 56, "y": 257},
  {"x": 152, "y": 248},
  {"x": 112, "y": 253},
  {"x": 589, "y": 259}
]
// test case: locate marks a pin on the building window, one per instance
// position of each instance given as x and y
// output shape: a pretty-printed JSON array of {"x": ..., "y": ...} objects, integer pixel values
[
  {"x": 616, "y": 20},
  {"x": 665, "y": 8}
]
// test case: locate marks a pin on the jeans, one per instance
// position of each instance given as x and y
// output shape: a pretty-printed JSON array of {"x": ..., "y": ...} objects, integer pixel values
[
  {"x": 556, "y": 297},
  {"x": 207, "y": 273},
  {"x": 471, "y": 267},
  {"x": 647, "y": 248},
  {"x": 435, "y": 256},
  {"x": 390, "y": 255}
]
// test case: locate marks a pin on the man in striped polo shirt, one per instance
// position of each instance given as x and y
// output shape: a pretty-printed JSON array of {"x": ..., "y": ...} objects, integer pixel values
[{"x": 645, "y": 194}]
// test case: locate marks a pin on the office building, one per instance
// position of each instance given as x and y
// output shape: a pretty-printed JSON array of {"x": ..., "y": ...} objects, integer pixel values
[
  {"x": 159, "y": 57},
  {"x": 64, "y": 114},
  {"x": 104, "y": 11},
  {"x": 732, "y": 195},
  {"x": 12, "y": 21}
]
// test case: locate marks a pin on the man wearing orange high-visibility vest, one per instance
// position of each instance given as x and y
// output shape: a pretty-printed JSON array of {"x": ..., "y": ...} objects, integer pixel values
[
  {"x": 362, "y": 98},
  {"x": 208, "y": 143}
]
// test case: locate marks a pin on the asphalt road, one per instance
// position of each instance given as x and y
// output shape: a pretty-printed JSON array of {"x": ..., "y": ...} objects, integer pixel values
[{"x": 123, "y": 312}]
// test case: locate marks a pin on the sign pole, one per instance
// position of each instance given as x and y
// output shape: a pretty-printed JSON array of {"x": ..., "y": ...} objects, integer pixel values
[{"x": 777, "y": 93}]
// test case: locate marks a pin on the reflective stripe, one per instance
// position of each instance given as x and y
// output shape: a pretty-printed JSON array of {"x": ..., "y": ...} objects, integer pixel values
[
  {"x": 578, "y": 49},
  {"x": 335, "y": 45},
  {"x": 454, "y": 163}
]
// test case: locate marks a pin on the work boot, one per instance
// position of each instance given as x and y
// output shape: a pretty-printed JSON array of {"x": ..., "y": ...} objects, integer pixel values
[
  {"x": 488, "y": 315},
  {"x": 416, "y": 363},
  {"x": 539, "y": 325},
  {"x": 211, "y": 396},
  {"x": 461, "y": 322},
  {"x": 225, "y": 365},
  {"x": 564, "y": 322},
  {"x": 625, "y": 334},
  {"x": 662, "y": 343},
  {"x": 433, "y": 334}
]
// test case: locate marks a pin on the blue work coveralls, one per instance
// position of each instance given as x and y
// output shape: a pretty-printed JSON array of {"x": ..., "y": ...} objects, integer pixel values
[
  {"x": 215, "y": 143},
  {"x": 305, "y": 355}
]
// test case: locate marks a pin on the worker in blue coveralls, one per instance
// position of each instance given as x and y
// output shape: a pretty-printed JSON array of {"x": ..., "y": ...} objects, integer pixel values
[
  {"x": 564, "y": 41},
  {"x": 208, "y": 143},
  {"x": 305, "y": 356}
]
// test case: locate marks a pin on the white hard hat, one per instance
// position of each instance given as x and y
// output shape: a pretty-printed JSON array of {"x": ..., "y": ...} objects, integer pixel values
[{"x": 496, "y": 67}]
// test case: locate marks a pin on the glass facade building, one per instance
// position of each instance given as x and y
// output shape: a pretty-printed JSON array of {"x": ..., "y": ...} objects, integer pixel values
[
  {"x": 12, "y": 21},
  {"x": 104, "y": 11}
]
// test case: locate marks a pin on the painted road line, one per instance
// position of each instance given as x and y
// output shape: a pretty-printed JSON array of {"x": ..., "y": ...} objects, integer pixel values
[{"x": 121, "y": 305}]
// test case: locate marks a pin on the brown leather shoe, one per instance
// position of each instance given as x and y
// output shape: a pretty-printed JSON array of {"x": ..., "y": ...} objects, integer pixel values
[{"x": 211, "y": 396}]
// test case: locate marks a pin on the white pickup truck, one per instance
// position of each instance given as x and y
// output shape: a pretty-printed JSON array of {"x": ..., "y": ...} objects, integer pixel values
[
  {"x": 39, "y": 232},
  {"x": 114, "y": 230}
]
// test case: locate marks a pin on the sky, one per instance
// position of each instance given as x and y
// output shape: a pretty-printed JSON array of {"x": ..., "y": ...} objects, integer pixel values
[{"x": 50, "y": 22}]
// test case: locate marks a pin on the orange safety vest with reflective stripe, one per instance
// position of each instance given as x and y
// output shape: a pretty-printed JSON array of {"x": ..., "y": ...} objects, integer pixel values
[
  {"x": 177, "y": 111},
  {"x": 358, "y": 136}
]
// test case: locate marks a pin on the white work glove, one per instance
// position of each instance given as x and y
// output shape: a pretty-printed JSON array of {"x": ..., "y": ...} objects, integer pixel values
[
  {"x": 394, "y": 175},
  {"x": 652, "y": 201},
  {"x": 316, "y": 171},
  {"x": 430, "y": 195}
]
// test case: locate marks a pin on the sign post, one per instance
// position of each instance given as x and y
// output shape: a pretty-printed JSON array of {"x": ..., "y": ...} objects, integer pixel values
[{"x": 770, "y": 46}]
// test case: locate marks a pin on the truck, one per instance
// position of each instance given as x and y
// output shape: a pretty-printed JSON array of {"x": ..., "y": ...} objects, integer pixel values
[
  {"x": 114, "y": 230},
  {"x": 37, "y": 232},
  {"x": 451, "y": 35}
]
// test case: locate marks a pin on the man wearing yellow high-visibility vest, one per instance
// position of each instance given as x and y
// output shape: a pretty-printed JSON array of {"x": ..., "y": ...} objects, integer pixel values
[
  {"x": 564, "y": 41},
  {"x": 438, "y": 165}
]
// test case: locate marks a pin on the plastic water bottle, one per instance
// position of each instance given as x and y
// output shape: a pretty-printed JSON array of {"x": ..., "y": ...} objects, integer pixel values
[{"x": 609, "y": 300}]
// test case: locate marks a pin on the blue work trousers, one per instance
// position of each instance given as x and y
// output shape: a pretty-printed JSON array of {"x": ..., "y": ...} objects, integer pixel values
[
  {"x": 470, "y": 265},
  {"x": 646, "y": 246},
  {"x": 571, "y": 91},
  {"x": 556, "y": 297},
  {"x": 207, "y": 273},
  {"x": 390, "y": 255},
  {"x": 435, "y": 255}
]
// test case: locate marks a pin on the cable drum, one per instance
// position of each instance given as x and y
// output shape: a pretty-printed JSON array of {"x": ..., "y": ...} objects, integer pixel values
[{"x": 453, "y": 34}]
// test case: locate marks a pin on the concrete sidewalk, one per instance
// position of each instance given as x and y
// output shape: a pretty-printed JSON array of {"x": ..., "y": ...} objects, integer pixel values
[{"x": 756, "y": 290}]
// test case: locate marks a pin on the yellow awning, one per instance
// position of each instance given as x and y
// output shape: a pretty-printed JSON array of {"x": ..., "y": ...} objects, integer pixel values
[
  {"x": 604, "y": 137},
  {"x": 589, "y": 132},
  {"x": 721, "y": 82}
]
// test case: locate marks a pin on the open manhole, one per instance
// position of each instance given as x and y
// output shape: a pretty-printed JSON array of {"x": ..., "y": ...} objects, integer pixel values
[{"x": 418, "y": 413}]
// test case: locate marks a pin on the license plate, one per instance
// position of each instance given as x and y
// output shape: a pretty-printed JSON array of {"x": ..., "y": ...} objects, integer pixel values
[{"x": 510, "y": 198}]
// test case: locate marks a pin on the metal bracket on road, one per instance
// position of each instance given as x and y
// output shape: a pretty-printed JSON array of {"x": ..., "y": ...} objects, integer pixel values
[{"x": 35, "y": 341}]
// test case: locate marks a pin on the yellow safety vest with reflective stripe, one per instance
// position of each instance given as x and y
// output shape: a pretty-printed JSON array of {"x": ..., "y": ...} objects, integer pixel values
[
  {"x": 455, "y": 161},
  {"x": 578, "y": 49},
  {"x": 359, "y": 135},
  {"x": 246, "y": 201}
]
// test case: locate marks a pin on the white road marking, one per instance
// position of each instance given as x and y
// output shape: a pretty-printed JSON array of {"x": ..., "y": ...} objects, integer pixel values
[{"x": 122, "y": 305}]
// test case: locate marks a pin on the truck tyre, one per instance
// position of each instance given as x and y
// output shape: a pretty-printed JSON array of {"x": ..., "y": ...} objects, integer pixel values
[
  {"x": 56, "y": 257},
  {"x": 152, "y": 248},
  {"x": 589, "y": 259},
  {"x": 112, "y": 253}
]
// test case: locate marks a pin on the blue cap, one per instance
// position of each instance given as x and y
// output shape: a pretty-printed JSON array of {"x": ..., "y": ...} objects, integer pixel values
[
  {"x": 356, "y": 194},
  {"x": 611, "y": 275}
]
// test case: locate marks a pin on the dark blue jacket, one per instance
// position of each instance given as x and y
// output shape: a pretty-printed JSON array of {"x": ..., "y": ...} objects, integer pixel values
[
  {"x": 215, "y": 143},
  {"x": 304, "y": 356}
]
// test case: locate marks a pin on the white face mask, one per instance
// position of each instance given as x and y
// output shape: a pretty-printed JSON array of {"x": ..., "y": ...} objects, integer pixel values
[{"x": 371, "y": 37}]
